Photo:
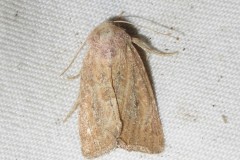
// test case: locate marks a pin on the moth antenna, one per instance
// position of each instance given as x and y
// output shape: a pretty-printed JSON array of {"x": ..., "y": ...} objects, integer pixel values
[
  {"x": 166, "y": 34},
  {"x": 149, "y": 20},
  {"x": 76, "y": 55},
  {"x": 148, "y": 48},
  {"x": 121, "y": 14}
]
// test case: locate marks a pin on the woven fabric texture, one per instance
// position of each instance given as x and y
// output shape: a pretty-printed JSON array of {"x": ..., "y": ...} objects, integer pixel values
[{"x": 198, "y": 89}]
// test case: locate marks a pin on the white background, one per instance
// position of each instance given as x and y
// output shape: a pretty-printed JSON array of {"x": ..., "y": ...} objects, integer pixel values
[{"x": 198, "y": 90}]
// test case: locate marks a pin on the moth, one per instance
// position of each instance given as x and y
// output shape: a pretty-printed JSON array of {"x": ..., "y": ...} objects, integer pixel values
[{"x": 117, "y": 106}]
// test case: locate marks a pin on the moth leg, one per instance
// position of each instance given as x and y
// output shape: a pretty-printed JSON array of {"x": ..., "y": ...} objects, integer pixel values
[
  {"x": 73, "y": 109},
  {"x": 76, "y": 55},
  {"x": 148, "y": 48},
  {"x": 74, "y": 77}
]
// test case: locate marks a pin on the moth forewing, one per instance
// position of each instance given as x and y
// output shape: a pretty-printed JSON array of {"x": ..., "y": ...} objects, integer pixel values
[{"x": 117, "y": 104}]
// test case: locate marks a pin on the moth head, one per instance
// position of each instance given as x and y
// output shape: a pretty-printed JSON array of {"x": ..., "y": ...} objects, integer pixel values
[{"x": 106, "y": 32}]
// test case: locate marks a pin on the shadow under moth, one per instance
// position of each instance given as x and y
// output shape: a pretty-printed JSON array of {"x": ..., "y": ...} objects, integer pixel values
[{"x": 117, "y": 106}]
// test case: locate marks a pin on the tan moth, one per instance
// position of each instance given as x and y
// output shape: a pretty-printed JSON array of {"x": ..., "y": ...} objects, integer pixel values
[{"x": 117, "y": 106}]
